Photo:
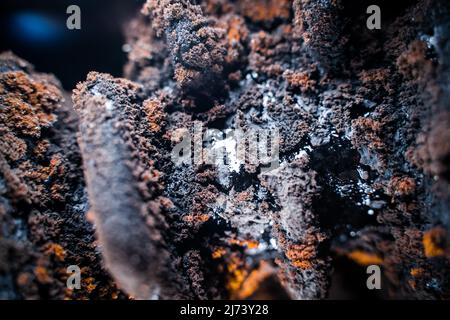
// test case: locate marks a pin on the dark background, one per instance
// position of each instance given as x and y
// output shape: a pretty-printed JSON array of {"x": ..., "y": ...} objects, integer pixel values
[{"x": 36, "y": 31}]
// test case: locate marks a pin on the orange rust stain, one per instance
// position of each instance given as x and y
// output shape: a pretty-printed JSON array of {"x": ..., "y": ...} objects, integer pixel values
[
  {"x": 253, "y": 281},
  {"x": 250, "y": 244},
  {"x": 236, "y": 280},
  {"x": 300, "y": 252},
  {"x": 184, "y": 76},
  {"x": 302, "y": 264},
  {"x": 301, "y": 80},
  {"x": 365, "y": 258},
  {"x": 41, "y": 148},
  {"x": 193, "y": 218},
  {"x": 57, "y": 250},
  {"x": 42, "y": 274},
  {"x": 68, "y": 294},
  {"x": 23, "y": 279},
  {"x": 244, "y": 196},
  {"x": 27, "y": 113},
  {"x": 155, "y": 114},
  {"x": 89, "y": 284},
  {"x": 265, "y": 10},
  {"x": 12, "y": 147},
  {"x": 416, "y": 272},
  {"x": 236, "y": 274},
  {"x": 403, "y": 186},
  {"x": 436, "y": 243},
  {"x": 301, "y": 255},
  {"x": 234, "y": 33},
  {"x": 219, "y": 253}
]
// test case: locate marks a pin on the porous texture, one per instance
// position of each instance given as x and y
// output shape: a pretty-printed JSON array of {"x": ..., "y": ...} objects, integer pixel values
[
  {"x": 363, "y": 129},
  {"x": 193, "y": 43},
  {"x": 362, "y": 123},
  {"x": 42, "y": 192}
]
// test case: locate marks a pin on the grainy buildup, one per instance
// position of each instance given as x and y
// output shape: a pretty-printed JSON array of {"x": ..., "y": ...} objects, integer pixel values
[{"x": 362, "y": 176}]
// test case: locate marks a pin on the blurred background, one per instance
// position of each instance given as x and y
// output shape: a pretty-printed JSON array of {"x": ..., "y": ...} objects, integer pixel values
[{"x": 36, "y": 31}]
